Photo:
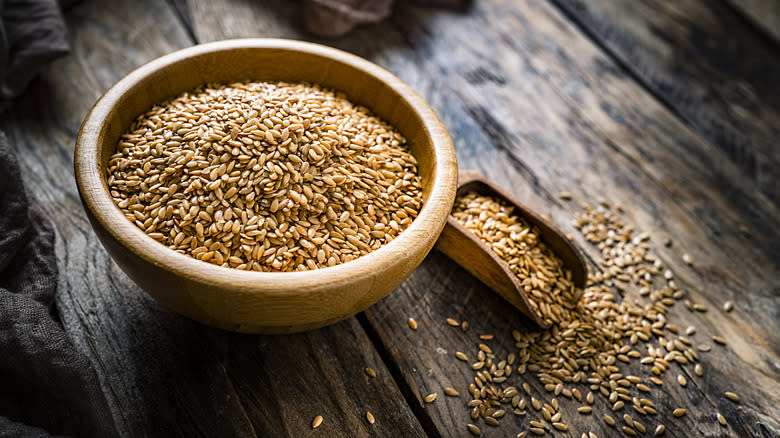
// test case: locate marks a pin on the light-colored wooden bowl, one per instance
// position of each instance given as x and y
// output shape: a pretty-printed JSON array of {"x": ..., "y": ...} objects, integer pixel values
[{"x": 257, "y": 302}]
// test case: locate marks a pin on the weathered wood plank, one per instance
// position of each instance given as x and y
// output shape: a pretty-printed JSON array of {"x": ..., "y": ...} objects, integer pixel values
[
  {"x": 163, "y": 374},
  {"x": 718, "y": 73},
  {"x": 533, "y": 104},
  {"x": 765, "y": 14}
]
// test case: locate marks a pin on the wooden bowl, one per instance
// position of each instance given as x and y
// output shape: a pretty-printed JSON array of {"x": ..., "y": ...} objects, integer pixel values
[{"x": 258, "y": 302}]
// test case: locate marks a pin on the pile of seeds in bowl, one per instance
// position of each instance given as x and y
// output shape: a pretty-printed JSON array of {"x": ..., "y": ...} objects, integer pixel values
[
  {"x": 265, "y": 176},
  {"x": 594, "y": 339}
]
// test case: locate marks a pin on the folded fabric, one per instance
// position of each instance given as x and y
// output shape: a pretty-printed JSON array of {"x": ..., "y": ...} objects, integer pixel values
[
  {"x": 47, "y": 386},
  {"x": 32, "y": 34},
  {"x": 333, "y": 18}
]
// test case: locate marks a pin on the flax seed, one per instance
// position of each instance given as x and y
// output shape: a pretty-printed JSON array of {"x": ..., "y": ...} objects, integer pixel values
[
  {"x": 280, "y": 153},
  {"x": 451, "y": 392}
]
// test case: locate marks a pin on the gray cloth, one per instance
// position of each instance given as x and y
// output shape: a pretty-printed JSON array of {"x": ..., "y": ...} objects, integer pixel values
[
  {"x": 334, "y": 18},
  {"x": 32, "y": 34},
  {"x": 47, "y": 386}
]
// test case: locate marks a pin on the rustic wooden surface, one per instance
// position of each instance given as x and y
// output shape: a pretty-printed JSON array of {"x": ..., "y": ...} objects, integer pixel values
[
  {"x": 765, "y": 14},
  {"x": 699, "y": 58},
  {"x": 531, "y": 101}
]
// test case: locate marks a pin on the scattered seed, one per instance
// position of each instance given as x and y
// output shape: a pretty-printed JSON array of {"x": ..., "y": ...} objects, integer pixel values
[
  {"x": 572, "y": 352},
  {"x": 464, "y": 325},
  {"x": 522, "y": 434},
  {"x": 718, "y": 340},
  {"x": 731, "y": 396},
  {"x": 370, "y": 417},
  {"x": 317, "y": 421},
  {"x": 721, "y": 419},
  {"x": 703, "y": 347},
  {"x": 536, "y": 431},
  {"x": 370, "y": 372},
  {"x": 486, "y": 337},
  {"x": 687, "y": 259},
  {"x": 461, "y": 356},
  {"x": 485, "y": 348},
  {"x": 560, "y": 426},
  {"x": 452, "y": 322},
  {"x": 679, "y": 412},
  {"x": 697, "y": 369},
  {"x": 473, "y": 429},
  {"x": 430, "y": 397},
  {"x": 659, "y": 430},
  {"x": 412, "y": 324},
  {"x": 451, "y": 392},
  {"x": 565, "y": 196},
  {"x": 490, "y": 421},
  {"x": 728, "y": 305}
]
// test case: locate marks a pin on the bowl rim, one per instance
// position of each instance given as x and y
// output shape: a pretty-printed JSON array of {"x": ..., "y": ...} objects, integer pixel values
[{"x": 94, "y": 193}]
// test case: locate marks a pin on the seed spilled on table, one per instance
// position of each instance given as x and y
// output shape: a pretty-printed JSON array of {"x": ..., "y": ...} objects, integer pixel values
[{"x": 592, "y": 332}]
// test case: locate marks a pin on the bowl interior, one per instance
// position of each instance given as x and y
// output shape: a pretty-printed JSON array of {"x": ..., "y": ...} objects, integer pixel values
[{"x": 312, "y": 63}]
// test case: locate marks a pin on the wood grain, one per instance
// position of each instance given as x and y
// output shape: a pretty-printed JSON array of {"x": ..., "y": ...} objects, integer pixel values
[
  {"x": 538, "y": 108},
  {"x": 765, "y": 14},
  {"x": 165, "y": 375},
  {"x": 713, "y": 69}
]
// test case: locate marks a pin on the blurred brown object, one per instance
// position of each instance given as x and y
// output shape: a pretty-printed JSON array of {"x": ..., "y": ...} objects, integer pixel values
[{"x": 334, "y": 18}]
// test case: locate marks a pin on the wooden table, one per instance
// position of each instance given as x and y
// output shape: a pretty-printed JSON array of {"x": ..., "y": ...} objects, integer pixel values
[{"x": 668, "y": 108}]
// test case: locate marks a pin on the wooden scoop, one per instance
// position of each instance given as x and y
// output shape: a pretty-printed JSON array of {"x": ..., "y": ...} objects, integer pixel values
[{"x": 470, "y": 252}]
